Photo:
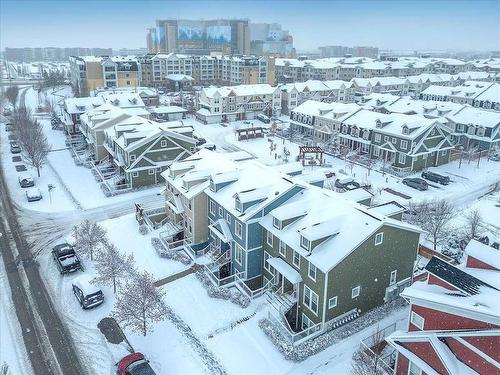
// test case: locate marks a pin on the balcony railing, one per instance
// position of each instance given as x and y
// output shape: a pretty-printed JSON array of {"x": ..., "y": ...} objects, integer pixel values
[{"x": 295, "y": 337}]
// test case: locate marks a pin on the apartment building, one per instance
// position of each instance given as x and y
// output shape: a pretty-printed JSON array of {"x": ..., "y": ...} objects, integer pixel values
[
  {"x": 90, "y": 72},
  {"x": 229, "y": 36},
  {"x": 359, "y": 87},
  {"x": 243, "y": 102},
  {"x": 453, "y": 325},
  {"x": 321, "y": 255},
  {"x": 52, "y": 53},
  {"x": 476, "y": 93}
]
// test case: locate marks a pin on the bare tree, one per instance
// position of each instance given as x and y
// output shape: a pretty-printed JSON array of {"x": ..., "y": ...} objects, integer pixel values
[
  {"x": 434, "y": 218},
  {"x": 112, "y": 266},
  {"x": 11, "y": 94},
  {"x": 367, "y": 359},
  {"x": 34, "y": 145},
  {"x": 90, "y": 237},
  {"x": 474, "y": 224},
  {"x": 140, "y": 304},
  {"x": 4, "y": 369}
]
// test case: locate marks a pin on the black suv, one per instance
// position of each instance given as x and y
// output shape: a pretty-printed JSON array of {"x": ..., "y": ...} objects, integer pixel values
[
  {"x": 66, "y": 258},
  {"x": 416, "y": 183},
  {"x": 434, "y": 177}
]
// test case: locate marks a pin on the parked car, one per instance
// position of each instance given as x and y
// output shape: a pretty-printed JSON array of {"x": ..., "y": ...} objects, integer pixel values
[
  {"x": 26, "y": 180},
  {"x": 495, "y": 157},
  {"x": 435, "y": 177},
  {"x": 200, "y": 141},
  {"x": 87, "y": 294},
  {"x": 263, "y": 118},
  {"x": 20, "y": 168},
  {"x": 209, "y": 146},
  {"x": 416, "y": 183},
  {"x": 14, "y": 148},
  {"x": 33, "y": 194},
  {"x": 66, "y": 258},
  {"x": 134, "y": 364},
  {"x": 346, "y": 183}
]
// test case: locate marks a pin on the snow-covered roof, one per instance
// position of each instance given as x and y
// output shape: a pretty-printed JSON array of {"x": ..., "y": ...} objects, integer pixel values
[
  {"x": 168, "y": 109},
  {"x": 82, "y": 105},
  {"x": 240, "y": 90},
  {"x": 476, "y": 116},
  {"x": 341, "y": 224},
  {"x": 484, "y": 253},
  {"x": 285, "y": 269}
]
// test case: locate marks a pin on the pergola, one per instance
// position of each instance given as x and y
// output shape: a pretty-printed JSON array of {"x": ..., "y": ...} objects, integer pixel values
[
  {"x": 305, "y": 150},
  {"x": 250, "y": 133}
]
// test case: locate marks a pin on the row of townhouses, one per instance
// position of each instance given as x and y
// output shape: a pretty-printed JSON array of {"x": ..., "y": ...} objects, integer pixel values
[
  {"x": 242, "y": 102},
  {"x": 454, "y": 325},
  {"x": 127, "y": 147},
  {"x": 408, "y": 135},
  {"x": 321, "y": 259},
  {"x": 347, "y": 68},
  {"x": 476, "y": 93},
  {"x": 294, "y": 94}
]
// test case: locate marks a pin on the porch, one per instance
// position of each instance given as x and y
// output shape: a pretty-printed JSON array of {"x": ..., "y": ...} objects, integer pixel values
[
  {"x": 220, "y": 268},
  {"x": 111, "y": 176}
]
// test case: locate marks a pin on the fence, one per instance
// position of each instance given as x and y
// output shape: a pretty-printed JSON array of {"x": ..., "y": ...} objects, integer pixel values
[
  {"x": 295, "y": 337},
  {"x": 378, "y": 350}
]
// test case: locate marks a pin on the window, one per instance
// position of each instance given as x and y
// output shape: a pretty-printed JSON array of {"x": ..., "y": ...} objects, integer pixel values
[
  {"x": 132, "y": 157},
  {"x": 228, "y": 218},
  {"x": 404, "y": 145},
  {"x": 135, "y": 174},
  {"x": 267, "y": 266},
  {"x": 413, "y": 369},
  {"x": 276, "y": 223},
  {"x": 402, "y": 158},
  {"x": 237, "y": 204},
  {"x": 386, "y": 138},
  {"x": 238, "y": 253},
  {"x": 376, "y": 151},
  {"x": 443, "y": 153},
  {"x": 238, "y": 229},
  {"x": 212, "y": 207},
  {"x": 282, "y": 248},
  {"x": 417, "y": 320},
  {"x": 312, "y": 271},
  {"x": 394, "y": 140},
  {"x": 151, "y": 171},
  {"x": 221, "y": 212},
  {"x": 378, "y": 137},
  {"x": 163, "y": 143},
  {"x": 379, "y": 238},
  {"x": 355, "y": 292},
  {"x": 296, "y": 259},
  {"x": 304, "y": 242},
  {"x": 394, "y": 274},
  {"x": 306, "y": 322},
  {"x": 332, "y": 302},
  {"x": 310, "y": 299},
  {"x": 269, "y": 238}
]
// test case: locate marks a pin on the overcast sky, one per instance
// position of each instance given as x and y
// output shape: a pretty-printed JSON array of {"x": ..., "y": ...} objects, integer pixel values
[{"x": 398, "y": 24}]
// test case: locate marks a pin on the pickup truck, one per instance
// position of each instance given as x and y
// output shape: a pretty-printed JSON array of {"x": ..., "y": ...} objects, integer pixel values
[{"x": 66, "y": 258}]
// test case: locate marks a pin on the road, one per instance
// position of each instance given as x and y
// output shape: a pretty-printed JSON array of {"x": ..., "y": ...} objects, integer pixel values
[{"x": 47, "y": 341}]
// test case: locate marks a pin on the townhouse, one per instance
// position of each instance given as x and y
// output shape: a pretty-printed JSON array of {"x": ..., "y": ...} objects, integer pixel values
[
  {"x": 142, "y": 149},
  {"x": 320, "y": 120},
  {"x": 294, "y": 94},
  {"x": 186, "y": 202},
  {"x": 390, "y": 85},
  {"x": 96, "y": 121},
  {"x": 403, "y": 142},
  {"x": 237, "y": 200},
  {"x": 243, "y": 102},
  {"x": 328, "y": 260},
  {"x": 479, "y": 94},
  {"x": 454, "y": 321}
]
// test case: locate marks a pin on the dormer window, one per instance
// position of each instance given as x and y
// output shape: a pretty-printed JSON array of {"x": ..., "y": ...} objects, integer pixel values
[
  {"x": 212, "y": 186},
  {"x": 305, "y": 243},
  {"x": 276, "y": 223},
  {"x": 405, "y": 130},
  {"x": 237, "y": 204}
]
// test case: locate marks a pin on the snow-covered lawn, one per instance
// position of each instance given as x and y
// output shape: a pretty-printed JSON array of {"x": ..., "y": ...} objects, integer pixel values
[{"x": 124, "y": 233}]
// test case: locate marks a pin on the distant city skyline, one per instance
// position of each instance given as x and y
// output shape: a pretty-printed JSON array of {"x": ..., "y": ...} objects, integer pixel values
[{"x": 404, "y": 25}]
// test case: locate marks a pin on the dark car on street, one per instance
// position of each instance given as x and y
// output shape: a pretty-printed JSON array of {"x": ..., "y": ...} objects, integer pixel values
[
  {"x": 87, "y": 294},
  {"x": 416, "y": 183},
  {"x": 435, "y": 177},
  {"x": 66, "y": 258},
  {"x": 134, "y": 364},
  {"x": 14, "y": 147}
]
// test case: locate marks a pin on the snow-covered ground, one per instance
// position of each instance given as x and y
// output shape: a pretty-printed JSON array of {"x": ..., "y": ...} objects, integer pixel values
[{"x": 12, "y": 350}]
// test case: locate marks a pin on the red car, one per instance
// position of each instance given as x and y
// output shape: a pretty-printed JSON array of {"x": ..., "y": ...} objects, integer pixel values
[{"x": 134, "y": 364}]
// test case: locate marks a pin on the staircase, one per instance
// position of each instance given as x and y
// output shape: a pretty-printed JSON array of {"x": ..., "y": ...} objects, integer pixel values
[{"x": 282, "y": 302}]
